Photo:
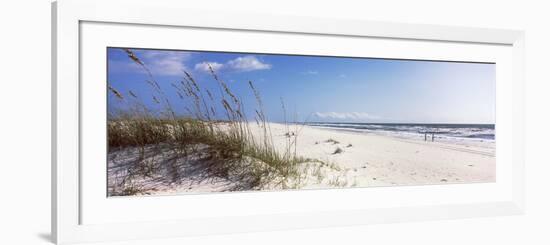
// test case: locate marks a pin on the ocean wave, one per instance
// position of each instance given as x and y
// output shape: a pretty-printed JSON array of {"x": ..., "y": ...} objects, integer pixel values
[{"x": 464, "y": 131}]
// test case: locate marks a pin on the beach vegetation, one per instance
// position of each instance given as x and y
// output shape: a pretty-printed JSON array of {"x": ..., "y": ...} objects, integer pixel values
[{"x": 222, "y": 142}]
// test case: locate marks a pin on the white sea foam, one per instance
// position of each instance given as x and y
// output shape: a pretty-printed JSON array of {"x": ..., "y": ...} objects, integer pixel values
[{"x": 441, "y": 132}]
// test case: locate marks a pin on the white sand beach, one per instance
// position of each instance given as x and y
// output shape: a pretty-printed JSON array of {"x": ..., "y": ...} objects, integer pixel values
[
  {"x": 366, "y": 160},
  {"x": 370, "y": 159}
]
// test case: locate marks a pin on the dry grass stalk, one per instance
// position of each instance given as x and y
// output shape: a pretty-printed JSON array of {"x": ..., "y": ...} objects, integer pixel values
[{"x": 229, "y": 144}]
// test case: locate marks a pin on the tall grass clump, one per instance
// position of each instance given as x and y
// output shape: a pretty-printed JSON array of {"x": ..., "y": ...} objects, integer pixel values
[{"x": 222, "y": 140}]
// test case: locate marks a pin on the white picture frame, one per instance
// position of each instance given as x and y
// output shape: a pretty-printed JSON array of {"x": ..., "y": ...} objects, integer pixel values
[{"x": 68, "y": 17}]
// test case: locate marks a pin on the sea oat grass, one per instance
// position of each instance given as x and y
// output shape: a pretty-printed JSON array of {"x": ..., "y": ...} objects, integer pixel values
[{"x": 229, "y": 146}]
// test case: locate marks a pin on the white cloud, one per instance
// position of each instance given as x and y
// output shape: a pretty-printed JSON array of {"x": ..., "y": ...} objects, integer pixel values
[
  {"x": 248, "y": 63},
  {"x": 170, "y": 63},
  {"x": 345, "y": 115},
  {"x": 203, "y": 66},
  {"x": 242, "y": 64},
  {"x": 160, "y": 63},
  {"x": 342, "y": 75},
  {"x": 311, "y": 72}
]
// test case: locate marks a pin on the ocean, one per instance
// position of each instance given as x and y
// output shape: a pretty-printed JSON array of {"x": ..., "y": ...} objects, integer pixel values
[{"x": 457, "y": 131}]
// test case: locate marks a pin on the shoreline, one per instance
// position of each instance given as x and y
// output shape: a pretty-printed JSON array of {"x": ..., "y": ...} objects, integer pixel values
[{"x": 417, "y": 137}]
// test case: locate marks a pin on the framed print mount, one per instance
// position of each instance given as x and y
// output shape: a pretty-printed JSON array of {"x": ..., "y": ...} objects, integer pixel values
[{"x": 107, "y": 54}]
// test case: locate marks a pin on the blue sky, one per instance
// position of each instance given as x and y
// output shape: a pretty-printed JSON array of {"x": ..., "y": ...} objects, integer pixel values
[{"x": 320, "y": 89}]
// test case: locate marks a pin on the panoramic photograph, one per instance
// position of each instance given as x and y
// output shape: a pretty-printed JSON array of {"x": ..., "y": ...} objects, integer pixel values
[{"x": 190, "y": 122}]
